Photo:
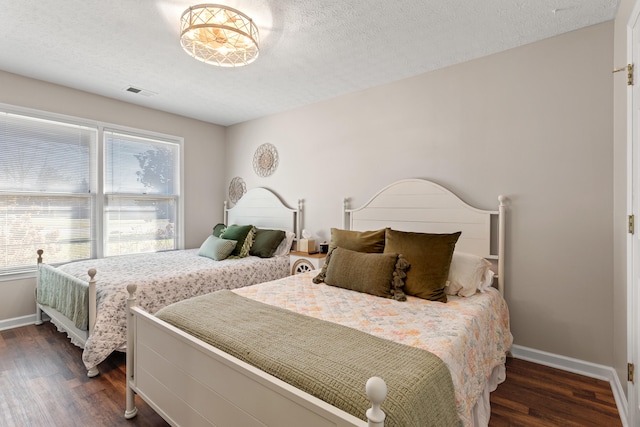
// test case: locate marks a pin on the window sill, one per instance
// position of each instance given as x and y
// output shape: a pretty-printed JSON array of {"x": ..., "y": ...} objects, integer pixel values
[{"x": 24, "y": 275}]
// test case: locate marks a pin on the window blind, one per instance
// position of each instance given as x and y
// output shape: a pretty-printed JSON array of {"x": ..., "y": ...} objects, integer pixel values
[
  {"x": 47, "y": 185},
  {"x": 141, "y": 193}
]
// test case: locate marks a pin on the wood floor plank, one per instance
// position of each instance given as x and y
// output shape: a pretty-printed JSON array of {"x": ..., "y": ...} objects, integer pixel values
[
  {"x": 44, "y": 383},
  {"x": 552, "y": 397}
]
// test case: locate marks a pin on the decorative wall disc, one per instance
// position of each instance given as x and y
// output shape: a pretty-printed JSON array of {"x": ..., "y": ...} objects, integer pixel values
[
  {"x": 265, "y": 160},
  {"x": 237, "y": 188}
]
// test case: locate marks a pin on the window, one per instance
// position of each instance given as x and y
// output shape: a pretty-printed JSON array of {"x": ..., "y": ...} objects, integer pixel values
[
  {"x": 141, "y": 194},
  {"x": 53, "y": 197}
]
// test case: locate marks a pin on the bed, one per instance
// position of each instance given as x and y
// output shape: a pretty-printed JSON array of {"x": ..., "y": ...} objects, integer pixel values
[
  {"x": 94, "y": 316},
  {"x": 225, "y": 383}
]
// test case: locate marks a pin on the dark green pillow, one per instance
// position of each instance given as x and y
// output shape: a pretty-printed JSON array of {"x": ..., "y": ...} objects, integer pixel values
[
  {"x": 430, "y": 259},
  {"x": 243, "y": 234},
  {"x": 265, "y": 242},
  {"x": 218, "y": 229},
  {"x": 371, "y": 273}
]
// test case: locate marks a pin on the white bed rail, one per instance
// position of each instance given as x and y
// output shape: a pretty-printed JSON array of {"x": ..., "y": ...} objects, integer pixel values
[
  {"x": 78, "y": 336},
  {"x": 189, "y": 382}
]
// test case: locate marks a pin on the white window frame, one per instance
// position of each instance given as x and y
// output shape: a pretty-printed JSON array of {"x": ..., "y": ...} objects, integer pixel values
[{"x": 98, "y": 250}]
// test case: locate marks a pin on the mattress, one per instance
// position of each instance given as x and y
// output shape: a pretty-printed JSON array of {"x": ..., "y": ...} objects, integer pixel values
[
  {"x": 470, "y": 334},
  {"x": 162, "y": 278}
]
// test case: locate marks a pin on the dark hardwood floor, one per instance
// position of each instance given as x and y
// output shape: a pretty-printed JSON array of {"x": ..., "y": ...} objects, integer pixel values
[{"x": 43, "y": 383}]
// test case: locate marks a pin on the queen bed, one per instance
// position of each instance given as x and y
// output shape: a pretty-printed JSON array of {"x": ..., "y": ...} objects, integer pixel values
[
  {"x": 94, "y": 316},
  {"x": 299, "y": 350}
]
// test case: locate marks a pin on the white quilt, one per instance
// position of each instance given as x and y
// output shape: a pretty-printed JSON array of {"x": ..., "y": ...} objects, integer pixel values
[{"x": 162, "y": 278}]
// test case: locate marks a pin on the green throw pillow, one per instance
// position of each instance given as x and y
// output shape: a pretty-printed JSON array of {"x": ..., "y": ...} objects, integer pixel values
[
  {"x": 359, "y": 241},
  {"x": 243, "y": 234},
  {"x": 217, "y": 248},
  {"x": 372, "y": 273},
  {"x": 265, "y": 242},
  {"x": 218, "y": 229},
  {"x": 430, "y": 259}
]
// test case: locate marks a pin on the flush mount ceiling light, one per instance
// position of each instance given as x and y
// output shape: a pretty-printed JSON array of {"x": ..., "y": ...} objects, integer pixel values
[{"x": 219, "y": 35}]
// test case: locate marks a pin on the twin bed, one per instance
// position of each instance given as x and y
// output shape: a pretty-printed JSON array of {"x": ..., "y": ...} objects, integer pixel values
[
  {"x": 94, "y": 317},
  {"x": 296, "y": 351}
]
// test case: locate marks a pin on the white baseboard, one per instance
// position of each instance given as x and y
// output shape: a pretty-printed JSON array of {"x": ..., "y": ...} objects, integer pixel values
[
  {"x": 593, "y": 370},
  {"x": 16, "y": 322}
]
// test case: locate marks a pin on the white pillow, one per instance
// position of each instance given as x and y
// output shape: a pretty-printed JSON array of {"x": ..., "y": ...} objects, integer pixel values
[
  {"x": 487, "y": 281},
  {"x": 285, "y": 246},
  {"x": 467, "y": 274}
]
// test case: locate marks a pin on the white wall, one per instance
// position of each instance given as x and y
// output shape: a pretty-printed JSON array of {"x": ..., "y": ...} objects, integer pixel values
[
  {"x": 204, "y": 151},
  {"x": 532, "y": 123}
]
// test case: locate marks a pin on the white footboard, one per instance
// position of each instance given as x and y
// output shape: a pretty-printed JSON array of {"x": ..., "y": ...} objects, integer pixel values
[
  {"x": 189, "y": 382},
  {"x": 78, "y": 337}
]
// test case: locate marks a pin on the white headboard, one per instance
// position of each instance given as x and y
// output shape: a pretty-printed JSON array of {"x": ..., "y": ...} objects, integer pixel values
[
  {"x": 264, "y": 209},
  {"x": 426, "y": 207}
]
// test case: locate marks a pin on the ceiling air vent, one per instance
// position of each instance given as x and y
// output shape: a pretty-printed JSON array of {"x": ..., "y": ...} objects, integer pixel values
[{"x": 139, "y": 91}]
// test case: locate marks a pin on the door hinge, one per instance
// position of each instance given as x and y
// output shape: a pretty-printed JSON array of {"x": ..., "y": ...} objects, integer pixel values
[
  {"x": 630, "y": 369},
  {"x": 632, "y": 224},
  {"x": 629, "y": 69}
]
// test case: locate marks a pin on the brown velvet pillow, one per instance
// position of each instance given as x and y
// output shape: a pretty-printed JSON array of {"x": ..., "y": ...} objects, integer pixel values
[
  {"x": 359, "y": 241},
  {"x": 372, "y": 273},
  {"x": 430, "y": 259}
]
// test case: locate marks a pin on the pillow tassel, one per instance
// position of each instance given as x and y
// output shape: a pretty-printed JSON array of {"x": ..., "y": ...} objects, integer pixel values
[
  {"x": 399, "y": 276},
  {"x": 323, "y": 273}
]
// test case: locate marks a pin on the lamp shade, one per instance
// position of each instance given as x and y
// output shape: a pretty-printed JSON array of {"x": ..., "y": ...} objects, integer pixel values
[{"x": 219, "y": 35}]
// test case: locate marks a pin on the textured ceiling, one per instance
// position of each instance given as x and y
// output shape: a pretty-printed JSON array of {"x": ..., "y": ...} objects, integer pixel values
[{"x": 311, "y": 50}]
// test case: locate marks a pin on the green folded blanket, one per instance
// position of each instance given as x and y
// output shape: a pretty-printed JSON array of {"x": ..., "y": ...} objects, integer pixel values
[{"x": 326, "y": 360}]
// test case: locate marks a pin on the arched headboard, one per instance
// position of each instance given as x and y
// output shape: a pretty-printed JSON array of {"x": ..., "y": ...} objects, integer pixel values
[
  {"x": 423, "y": 206},
  {"x": 264, "y": 209}
]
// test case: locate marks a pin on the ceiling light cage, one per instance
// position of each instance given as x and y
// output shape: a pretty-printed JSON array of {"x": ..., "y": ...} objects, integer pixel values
[{"x": 219, "y": 35}]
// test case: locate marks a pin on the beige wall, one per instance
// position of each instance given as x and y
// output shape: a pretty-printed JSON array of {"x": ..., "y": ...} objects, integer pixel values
[
  {"x": 204, "y": 151},
  {"x": 620, "y": 192},
  {"x": 532, "y": 123}
]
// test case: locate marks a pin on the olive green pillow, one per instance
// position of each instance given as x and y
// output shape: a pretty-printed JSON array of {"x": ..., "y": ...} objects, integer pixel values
[
  {"x": 430, "y": 259},
  {"x": 265, "y": 242},
  {"x": 379, "y": 274},
  {"x": 243, "y": 234},
  {"x": 359, "y": 241}
]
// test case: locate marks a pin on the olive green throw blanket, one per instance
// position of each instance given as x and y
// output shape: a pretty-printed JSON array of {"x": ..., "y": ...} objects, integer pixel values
[
  {"x": 65, "y": 293},
  {"x": 327, "y": 360}
]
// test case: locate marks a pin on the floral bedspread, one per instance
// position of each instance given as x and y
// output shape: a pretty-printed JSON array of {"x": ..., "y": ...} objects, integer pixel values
[
  {"x": 471, "y": 335},
  {"x": 162, "y": 278}
]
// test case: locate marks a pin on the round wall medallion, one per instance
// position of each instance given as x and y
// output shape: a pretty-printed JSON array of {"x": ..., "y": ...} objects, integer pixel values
[
  {"x": 237, "y": 188},
  {"x": 265, "y": 160}
]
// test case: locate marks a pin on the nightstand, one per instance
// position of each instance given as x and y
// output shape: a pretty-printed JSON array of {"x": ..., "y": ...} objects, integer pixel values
[{"x": 301, "y": 262}]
